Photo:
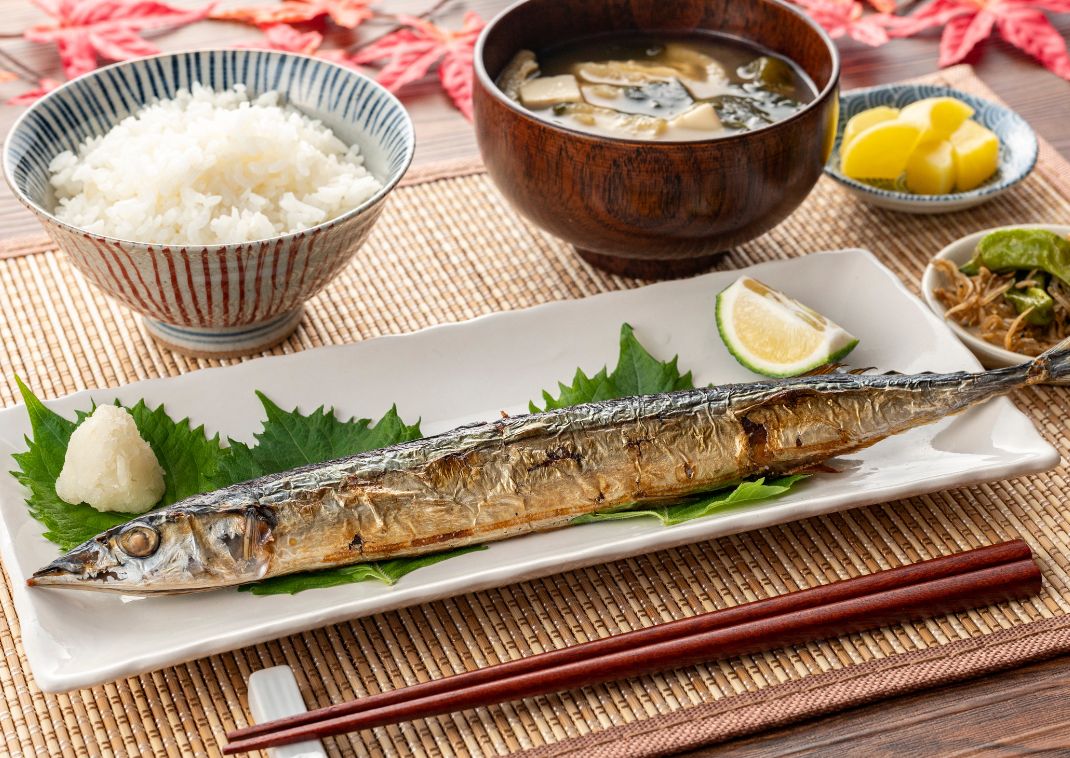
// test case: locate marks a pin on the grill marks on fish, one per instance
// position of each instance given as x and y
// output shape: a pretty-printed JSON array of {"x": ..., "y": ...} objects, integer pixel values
[
  {"x": 452, "y": 469},
  {"x": 793, "y": 424},
  {"x": 563, "y": 453},
  {"x": 259, "y": 523},
  {"x": 798, "y": 428},
  {"x": 757, "y": 437}
]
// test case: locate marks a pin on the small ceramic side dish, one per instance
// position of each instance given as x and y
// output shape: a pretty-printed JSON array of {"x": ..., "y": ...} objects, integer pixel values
[
  {"x": 1017, "y": 148},
  {"x": 213, "y": 300},
  {"x": 959, "y": 252}
]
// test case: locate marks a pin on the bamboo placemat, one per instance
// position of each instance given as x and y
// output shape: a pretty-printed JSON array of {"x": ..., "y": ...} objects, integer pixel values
[{"x": 449, "y": 248}]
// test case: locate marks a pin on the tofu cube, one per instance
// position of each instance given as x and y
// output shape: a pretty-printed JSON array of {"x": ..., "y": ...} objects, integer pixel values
[{"x": 701, "y": 118}]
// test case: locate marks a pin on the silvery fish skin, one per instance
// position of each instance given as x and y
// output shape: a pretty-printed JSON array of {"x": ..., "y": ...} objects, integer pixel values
[{"x": 512, "y": 476}]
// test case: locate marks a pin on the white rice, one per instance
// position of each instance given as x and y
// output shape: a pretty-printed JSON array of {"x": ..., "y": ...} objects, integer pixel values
[{"x": 210, "y": 167}]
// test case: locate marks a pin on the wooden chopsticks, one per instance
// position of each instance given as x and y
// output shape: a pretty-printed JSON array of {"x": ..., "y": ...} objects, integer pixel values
[{"x": 942, "y": 585}]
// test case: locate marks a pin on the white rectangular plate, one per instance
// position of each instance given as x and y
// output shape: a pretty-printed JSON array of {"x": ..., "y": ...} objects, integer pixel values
[{"x": 457, "y": 373}]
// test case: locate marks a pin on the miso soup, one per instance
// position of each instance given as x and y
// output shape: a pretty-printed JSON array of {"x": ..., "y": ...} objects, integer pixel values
[{"x": 657, "y": 86}]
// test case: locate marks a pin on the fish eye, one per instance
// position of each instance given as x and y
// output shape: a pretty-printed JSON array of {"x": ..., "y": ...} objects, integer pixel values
[{"x": 139, "y": 541}]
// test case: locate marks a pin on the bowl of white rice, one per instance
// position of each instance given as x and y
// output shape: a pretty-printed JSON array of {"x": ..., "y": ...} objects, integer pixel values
[{"x": 215, "y": 191}]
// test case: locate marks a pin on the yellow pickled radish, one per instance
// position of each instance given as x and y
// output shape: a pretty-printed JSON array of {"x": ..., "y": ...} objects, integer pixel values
[
  {"x": 881, "y": 151},
  {"x": 931, "y": 169},
  {"x": 975, "y": 151},
  {"x": 867, "y": 118},
  {"x": 938, "y": 116}
]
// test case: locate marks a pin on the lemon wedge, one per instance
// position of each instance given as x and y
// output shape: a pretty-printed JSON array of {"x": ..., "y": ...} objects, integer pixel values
[
  {"x": 881, "y": 151},
  {"x": 774, "y": 335},
  {"x": 867, "y": 118}
]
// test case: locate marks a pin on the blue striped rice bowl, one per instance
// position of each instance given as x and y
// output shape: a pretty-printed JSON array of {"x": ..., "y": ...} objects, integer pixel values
[{"x": 213, "y": 300}]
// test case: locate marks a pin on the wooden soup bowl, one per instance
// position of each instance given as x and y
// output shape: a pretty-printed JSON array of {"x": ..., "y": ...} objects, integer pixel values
[{"x": 643, "y": 208}]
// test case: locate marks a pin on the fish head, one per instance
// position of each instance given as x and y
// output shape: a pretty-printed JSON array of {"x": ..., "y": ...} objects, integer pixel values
[{"x": 169, "y": 551}]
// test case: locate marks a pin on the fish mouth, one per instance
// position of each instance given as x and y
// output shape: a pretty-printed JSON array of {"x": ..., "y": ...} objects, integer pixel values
[
  {"x": 107, "y": 580},
  {"x": 48, "y": 577},
  {"x": 87, "y": 567}
]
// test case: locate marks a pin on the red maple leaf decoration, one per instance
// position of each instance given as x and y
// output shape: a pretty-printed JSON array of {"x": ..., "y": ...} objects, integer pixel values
[
  {"x": 347, "y": 13},
  {"x": 967, "y": 22},
  {"x": 287, "y": 39},
  {"x": 85, "y": 30},
  {"x": 44, "y": 87},
  {"x": 847, "y": 18},
  {"x": 883, "y": 6},
  {"x": 410, "y": 53}
]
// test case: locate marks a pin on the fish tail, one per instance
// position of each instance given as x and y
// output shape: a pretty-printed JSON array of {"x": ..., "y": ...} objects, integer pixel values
[{"x": 1050, "y": 366}]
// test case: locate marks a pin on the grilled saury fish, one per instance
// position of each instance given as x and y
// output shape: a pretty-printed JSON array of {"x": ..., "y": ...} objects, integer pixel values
[{"x": 517, "y": 475}]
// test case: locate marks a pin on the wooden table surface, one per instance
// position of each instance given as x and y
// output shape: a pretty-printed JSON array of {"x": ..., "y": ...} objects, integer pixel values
[{"x": 1026, "y": 711}]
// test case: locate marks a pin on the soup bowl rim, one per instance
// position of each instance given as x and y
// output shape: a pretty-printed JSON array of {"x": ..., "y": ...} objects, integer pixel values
[
  {"x": 829, "y": 90},
  {"x": 388, "y": 182}
]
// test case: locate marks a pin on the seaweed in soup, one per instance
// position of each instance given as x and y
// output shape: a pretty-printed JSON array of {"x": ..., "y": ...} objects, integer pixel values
[{"x": 675, "y": 87}]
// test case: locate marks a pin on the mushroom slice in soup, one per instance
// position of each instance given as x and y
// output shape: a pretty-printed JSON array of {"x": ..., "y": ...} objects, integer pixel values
[
  {"x": 702, "y": 75},
  {"x": 546, "y": 91},
  {"x": 692, "y": 63},
  {"x": 612, "y": 121},
  {"x": 520, "y": 69},
  {"x": 623, "y": 73}
]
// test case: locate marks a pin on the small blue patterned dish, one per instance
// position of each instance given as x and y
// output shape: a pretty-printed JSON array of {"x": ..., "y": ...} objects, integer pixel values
[{"x": 1017, "y": 148}]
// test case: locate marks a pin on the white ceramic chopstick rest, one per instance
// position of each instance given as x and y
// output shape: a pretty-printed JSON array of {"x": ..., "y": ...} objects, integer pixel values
[{"x": 273, "y": 693}]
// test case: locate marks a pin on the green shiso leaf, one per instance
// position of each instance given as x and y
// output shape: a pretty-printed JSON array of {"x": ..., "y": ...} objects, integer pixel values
[
  {"x": 692, "y": 508},
  {"x": 637, "y": 373},
  {"x": 39, "y": 467},
  {"x": 290, "y": 439},
  {"x": 189, "y": 460},
  {"x": 189, "y": 457},
  {"x": 387, "y": 572}
]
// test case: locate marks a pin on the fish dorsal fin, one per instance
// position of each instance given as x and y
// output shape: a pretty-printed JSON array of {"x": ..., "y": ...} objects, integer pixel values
[
  {"x": 828, "y": 368},
  {"x": 840, "y": 368}
]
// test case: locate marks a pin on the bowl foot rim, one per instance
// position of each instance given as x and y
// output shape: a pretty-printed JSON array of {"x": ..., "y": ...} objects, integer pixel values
[
  {"x": 225, "y": 342},
  {"x": 650, "y": 268}
]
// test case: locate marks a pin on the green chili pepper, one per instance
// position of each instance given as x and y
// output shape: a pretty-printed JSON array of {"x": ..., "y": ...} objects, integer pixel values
[
  {"x": 1035, "y": 298},
  {"x": 1022, "y": 250},
  {"x": 1040, "y": 279}
]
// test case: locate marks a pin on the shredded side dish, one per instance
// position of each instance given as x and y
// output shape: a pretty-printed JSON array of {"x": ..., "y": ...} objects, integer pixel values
[{"x": 978, "y": 303}]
